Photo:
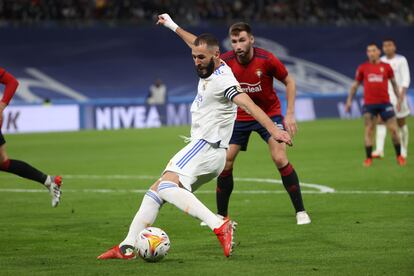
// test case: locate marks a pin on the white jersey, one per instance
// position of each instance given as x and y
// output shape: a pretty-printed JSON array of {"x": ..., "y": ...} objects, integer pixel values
[
  {"x": 213, "y": 112},
  {"x": 399, "y": 65}
]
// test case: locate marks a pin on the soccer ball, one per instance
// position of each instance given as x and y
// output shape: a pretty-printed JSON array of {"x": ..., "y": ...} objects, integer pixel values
[{"x": 153, "y": 244}]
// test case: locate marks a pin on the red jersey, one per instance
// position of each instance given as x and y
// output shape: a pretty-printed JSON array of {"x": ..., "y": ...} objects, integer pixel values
[
  {"x": 11, "y": 85},
  {"x": 375, "y": 77},
  {"x": 256, "y": 79}
]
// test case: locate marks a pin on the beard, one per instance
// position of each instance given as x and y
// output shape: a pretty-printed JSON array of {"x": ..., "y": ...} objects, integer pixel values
[{"x": 205, "y": 71}]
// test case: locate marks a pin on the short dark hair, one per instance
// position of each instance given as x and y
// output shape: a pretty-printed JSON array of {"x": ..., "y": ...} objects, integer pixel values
[
  {"x": 373, "y": 44},
  {"x": 208, "y": 39},
  {"x": 388, "y": 39},
  {"x": 239, "y": 27}
]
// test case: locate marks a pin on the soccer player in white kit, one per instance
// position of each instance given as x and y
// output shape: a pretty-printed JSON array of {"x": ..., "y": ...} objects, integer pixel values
[
  {"x": 213, "y": 115},
  {"x": 401, "y": 70}
]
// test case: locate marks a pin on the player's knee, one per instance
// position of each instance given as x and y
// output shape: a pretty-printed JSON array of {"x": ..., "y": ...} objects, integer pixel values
[{"x": 280, "y": 161}]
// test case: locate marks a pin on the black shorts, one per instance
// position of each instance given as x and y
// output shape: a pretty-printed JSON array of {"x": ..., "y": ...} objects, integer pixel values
[
  {"x": 242, "y": 131},
  {"x": 386, "y": 111},
  {"x": 2, "y": 141}
]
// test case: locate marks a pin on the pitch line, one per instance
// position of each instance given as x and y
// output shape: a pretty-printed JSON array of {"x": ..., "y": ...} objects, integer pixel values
[
  {"x": 319, "y": 187},
  {"x": 250, "y": 192}
]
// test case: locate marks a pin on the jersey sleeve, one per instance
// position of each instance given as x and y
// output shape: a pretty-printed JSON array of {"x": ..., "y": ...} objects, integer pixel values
[
  {"x": 10, "y": 83},
  {"x": 359, "y": 75},
  {"x": 405, "y": 73},
  {"x": 277, "y": 68}
]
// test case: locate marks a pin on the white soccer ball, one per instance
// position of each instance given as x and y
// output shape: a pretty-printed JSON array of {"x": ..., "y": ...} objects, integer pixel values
[{"x": 153, "y": 244}]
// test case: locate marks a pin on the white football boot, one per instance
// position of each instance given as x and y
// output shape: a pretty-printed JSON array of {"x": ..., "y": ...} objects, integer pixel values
[
  {"x": 54, "y": 189},
  {"x": 302, "y": 218}
]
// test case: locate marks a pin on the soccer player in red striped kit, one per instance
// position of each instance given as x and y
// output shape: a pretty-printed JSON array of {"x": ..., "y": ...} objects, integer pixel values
[
  {"x": 255, "y": 69},
  {"x": 18, "y": 167}
]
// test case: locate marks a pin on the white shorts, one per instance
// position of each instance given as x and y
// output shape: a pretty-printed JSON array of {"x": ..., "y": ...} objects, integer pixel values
[
  {"x": 197, "y": 163},
  {"x": 405, "y": 109}
]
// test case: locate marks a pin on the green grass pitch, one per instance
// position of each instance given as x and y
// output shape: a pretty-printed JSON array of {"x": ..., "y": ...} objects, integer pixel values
[{"x": 361, "y": 229}]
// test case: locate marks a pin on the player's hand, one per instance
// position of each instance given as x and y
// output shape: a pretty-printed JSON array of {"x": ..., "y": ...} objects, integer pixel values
[
  {"x": 399, "y": 102},
  {"x": 166, "y": 20},
  {"x": 282, "y": 136},
  {"x": 290, "y": 124}
]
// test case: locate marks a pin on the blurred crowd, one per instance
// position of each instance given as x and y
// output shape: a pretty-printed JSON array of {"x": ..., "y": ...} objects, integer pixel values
[{"x": 289, "y": 12}]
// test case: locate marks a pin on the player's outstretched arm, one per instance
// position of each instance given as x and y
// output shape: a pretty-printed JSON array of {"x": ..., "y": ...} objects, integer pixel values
[
  {"x": 247, "y": 104},
  {"x": 352, "y": 91},
  {"x": 166, "y": 20}
]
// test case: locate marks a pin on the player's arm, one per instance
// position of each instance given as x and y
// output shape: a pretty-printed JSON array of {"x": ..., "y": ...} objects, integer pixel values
[
  {"x": 279, "y": 71},
  {"x": 11, "y": 84},
  {"x": 405, "y": 81},
  {"x": 290, "y": 120},
  {"x": 245, "y": 102},
  {"x": 396, "y": 92},
  {"x": 352, "y": 92},
  {"x": 166, "y": 20}
]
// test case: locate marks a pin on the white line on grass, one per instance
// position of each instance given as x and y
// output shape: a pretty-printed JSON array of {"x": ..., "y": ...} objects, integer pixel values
[
  {"x": 319, "y": 189},
  {"x": 109, "y": 191}
]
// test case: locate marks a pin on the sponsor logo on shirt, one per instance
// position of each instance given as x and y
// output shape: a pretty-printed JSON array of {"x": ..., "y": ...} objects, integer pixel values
[
  {"x": 375, "y": 77},
  {"x": 251, "y": 87}
]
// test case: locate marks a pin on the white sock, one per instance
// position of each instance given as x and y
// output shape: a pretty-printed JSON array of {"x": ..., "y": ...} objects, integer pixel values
[
  {"x": 145, "y": 217},
  {"x": 404, "y": 134},
  {"x": 186, "y": 201},
  {"x": 381, "y": 133}
]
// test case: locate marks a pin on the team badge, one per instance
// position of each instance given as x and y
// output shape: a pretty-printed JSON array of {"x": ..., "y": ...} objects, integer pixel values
[
  {"x": 382, "y": 69},
  {"x": 259, "y": 73}
]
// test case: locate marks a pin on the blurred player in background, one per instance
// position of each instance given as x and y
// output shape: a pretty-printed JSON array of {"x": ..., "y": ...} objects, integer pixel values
[
  {"x": 399, "y": 65},
  {"x": 375, "y": 75},
  {"x": 20, "y": 168},
  {"x": 255, "y": 69},
  {"x": 213, "y": 113}
]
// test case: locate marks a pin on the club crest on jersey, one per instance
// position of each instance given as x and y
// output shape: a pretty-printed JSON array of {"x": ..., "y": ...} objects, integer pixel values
[
  {"x": 382, "y": 69},
  {"x": 259, "y": 73}
]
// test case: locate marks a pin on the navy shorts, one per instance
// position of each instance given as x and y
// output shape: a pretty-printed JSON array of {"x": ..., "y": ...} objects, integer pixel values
[
  {"x": 2, "y": 141},
  {"x": 386, "y": 111},
  {"x": 242, "y": 131}
]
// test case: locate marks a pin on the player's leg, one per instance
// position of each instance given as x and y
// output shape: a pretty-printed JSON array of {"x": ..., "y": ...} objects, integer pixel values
[
  {"x": 402, "y": 114},
  {"x": 25, "y": 170},
  {"x": 380, "y": 134},
  {"x": 238, "y": 142},
  {"x": 388, "y": 116},
  {"x": 404, "y": 136},
  {"x": 369, "y": 124},
  {"x": 225, "y": 181},
  {"x": 170, "y": 188},
  {"x": 290, "y": 179},
  {"x": 393, "y": 129}
]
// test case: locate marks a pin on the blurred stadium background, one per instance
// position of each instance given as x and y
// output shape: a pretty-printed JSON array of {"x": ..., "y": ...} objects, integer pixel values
[{"x": 93, "y": 61}]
